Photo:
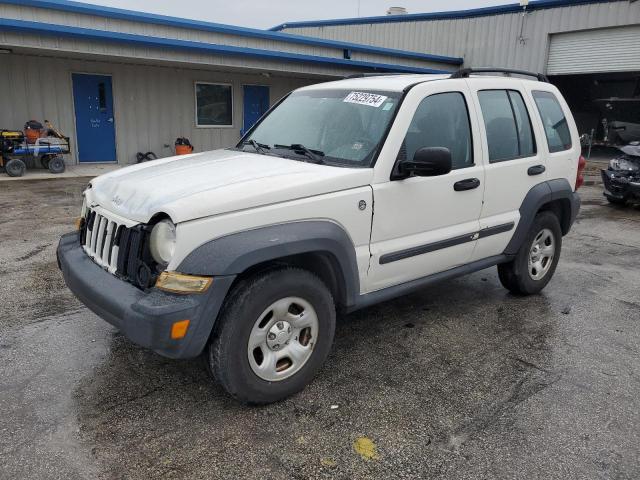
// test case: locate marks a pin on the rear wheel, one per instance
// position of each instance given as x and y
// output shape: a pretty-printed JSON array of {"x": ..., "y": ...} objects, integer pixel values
[
  {"x": 15, "y": 167},
  {"x": 273, "y": 335},
  {"x": 536, "y": 261},
  {"x": 56, "y": 164}
]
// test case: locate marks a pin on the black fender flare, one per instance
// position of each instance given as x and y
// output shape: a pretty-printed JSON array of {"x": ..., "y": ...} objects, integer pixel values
[
  {"x": 545, "y": 192},
  {"x": 235, "y": 253}
]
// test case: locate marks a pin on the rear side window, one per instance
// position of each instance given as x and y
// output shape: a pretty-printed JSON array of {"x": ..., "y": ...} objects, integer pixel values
[
  {"x": 441, "y": 120},
  {"x": 555, "y": 124},
  {"x": 507, "y": 123}
]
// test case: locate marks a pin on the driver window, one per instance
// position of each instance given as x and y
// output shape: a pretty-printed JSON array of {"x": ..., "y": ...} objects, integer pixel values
[{"x": 441, "y": 120}]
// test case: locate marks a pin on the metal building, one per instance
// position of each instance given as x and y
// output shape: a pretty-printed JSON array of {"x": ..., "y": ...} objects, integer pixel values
[
  {"x": 589, "y": 48},
  {"x": 120, "y": 82}
]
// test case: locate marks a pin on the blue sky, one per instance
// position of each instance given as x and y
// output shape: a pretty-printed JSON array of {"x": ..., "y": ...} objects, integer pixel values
[{"x": 267, "y": 13}]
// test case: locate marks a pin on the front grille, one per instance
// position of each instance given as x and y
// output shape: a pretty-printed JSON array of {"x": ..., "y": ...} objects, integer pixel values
[
  {"x": 100, "y": 239},
  {"x": 121, "y": 250}
]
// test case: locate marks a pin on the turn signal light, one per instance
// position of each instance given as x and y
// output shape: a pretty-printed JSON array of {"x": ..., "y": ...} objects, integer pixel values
[
  {"x": 180, "y": 283},
  {"x": 179, "y": 329},
  {"x": 79, "y": 223}
]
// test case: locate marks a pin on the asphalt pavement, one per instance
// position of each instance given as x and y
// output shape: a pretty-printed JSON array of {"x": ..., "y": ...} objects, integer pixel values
[{"x": 461, "y": 380}]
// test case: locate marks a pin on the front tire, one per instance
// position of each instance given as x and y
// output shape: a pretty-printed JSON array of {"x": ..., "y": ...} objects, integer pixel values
[
  {"x": 536, "y": 261},
  {"x": 15, "y": 167},
  {"x": 273, "y": 335}
]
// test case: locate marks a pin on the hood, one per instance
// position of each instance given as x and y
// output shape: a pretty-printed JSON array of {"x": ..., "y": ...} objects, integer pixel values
[{"x": 199, "y": 185}]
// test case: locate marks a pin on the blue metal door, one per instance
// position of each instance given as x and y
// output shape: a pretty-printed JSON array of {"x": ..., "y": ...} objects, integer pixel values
[
  {"x": 256, "y": 103},
  {"x": 95, "y": 129}
]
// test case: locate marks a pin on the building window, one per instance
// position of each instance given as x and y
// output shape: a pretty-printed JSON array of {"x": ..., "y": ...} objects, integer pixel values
[{"x": 214, "y": 105}]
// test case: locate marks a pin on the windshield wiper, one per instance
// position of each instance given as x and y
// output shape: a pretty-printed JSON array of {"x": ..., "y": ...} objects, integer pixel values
[
  {"x": 259, "y": 147},
  {"x": 298, "y": 147}
]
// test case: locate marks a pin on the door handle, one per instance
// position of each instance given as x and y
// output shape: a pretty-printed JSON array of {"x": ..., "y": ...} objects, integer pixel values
[
  {"x": 466, "y": 184},
  {"x": 536, "y": 170}
]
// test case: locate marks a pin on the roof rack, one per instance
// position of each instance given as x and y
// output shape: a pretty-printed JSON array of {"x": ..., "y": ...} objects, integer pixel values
[
  {"x": 466, "y": 72},
  {"x": 374, "y": 74}
]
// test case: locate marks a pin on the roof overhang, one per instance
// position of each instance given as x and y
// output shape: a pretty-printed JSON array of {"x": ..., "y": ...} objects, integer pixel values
[
  {"x": 63, "y": 31},
  {"x": 452, "y": 15},
  {"x": 149, "y": 18}
]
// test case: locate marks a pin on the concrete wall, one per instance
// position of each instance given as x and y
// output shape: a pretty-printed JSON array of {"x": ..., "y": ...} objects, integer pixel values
[
  {"x": 485, "y": 40},
  {"x": 152, "y": 105}
]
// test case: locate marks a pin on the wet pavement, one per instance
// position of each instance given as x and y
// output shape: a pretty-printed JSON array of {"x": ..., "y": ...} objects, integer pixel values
[{"x": 460, "y": 380}]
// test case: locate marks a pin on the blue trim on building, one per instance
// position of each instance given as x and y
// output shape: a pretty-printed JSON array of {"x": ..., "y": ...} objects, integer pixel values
[
  {"x": 458, "y": 14},
  {"x": 23, "y": 26},
  {"x": 151, "y": 18}
]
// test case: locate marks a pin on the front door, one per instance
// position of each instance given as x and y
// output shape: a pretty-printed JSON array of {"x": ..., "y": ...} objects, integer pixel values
[
  {"x": 95, "y": 129},
  {"x": 256, "y": 104},
  {"x": 425, "y": 225}
]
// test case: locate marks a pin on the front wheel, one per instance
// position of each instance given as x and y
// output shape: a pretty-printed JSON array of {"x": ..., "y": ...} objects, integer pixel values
[
  {"x": 15, "y": 167},
  {"x": 273, "y": 335},
  {"x": 536, "y": 260}
]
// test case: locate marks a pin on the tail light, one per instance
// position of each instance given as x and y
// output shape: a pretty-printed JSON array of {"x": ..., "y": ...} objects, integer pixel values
[{"x": 579, "y": 176}]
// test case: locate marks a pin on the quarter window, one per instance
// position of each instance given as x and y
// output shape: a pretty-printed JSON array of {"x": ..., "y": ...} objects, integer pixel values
[
  {"x": 555, "y": 124},
  {"x": 441, "y": 120},
  {"x": 507, "y": 123},
  {"x": 213, "y": 105}
]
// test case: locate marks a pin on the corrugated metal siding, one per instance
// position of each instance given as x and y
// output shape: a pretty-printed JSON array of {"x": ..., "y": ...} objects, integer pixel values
[
  {"x": 485, "y": 41},
  {"x": 152, "y": 105},
  {"x": 59, "y": 46},
  {"x": 604, "y": 50},
  {"x": 42, "y": 15}
]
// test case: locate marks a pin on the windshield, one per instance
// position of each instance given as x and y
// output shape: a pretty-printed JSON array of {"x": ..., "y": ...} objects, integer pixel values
[{"x": 336, "y": 127}]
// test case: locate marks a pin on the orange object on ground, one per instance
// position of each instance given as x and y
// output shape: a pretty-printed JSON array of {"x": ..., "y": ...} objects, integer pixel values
[{"x": 183, "y": 149}]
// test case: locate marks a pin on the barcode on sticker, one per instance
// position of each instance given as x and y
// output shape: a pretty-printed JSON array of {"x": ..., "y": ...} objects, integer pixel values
[{"x": 363, "y": 98}]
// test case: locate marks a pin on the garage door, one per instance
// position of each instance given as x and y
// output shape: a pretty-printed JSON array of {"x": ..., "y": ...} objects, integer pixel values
[{"x": 590, "y": 51}]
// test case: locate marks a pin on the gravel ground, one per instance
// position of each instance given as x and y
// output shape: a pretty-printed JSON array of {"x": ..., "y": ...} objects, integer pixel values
[{"x": 461, "y": 380}]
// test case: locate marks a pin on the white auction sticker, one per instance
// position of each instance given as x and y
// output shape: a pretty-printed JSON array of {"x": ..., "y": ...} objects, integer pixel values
[{"x": 363, "y": 98}]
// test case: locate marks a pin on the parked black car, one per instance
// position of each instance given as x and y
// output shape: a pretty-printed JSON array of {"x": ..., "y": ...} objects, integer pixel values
[{"x": 622, "y": 177}]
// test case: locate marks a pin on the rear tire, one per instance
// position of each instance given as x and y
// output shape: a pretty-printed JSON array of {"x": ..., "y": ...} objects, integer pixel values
[
  {"x": 273, "y": 335},
  {"x": 15, "y": 167},
  {"x": 56, "y": 164},
  {"x": 536, "y": 260}
]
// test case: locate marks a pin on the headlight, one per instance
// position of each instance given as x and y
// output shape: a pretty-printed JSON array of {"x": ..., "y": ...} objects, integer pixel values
[
  {"x": 623, "y": 164},
  {"x": 163, "y": 241}
]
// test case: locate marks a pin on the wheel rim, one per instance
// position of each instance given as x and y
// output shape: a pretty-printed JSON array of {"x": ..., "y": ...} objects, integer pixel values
[
  {"x": 541, "y": 254},
  {"x": 282, "y": 339}
]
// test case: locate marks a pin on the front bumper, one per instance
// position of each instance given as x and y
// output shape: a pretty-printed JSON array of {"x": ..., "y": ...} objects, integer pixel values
[
  {"x": 619, "y": 186},
  {"x": 144, "y": 317}
]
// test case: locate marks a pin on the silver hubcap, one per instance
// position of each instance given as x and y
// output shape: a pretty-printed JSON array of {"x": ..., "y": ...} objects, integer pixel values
[
  {"x": 541, "y": 254},
  {"x": 282, "y": 339}
]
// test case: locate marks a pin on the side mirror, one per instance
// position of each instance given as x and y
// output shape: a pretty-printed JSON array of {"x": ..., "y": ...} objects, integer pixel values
[{"x": 428, "y": 162}]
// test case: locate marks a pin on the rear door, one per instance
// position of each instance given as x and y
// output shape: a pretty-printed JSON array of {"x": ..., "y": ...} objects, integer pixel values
[
  {"x": 425, "y": 225},
  {"x": 514, "y": 160}
]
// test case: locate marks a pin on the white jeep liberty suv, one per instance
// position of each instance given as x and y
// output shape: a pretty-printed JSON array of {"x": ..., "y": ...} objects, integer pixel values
[{"x": 343, "y": 195}]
